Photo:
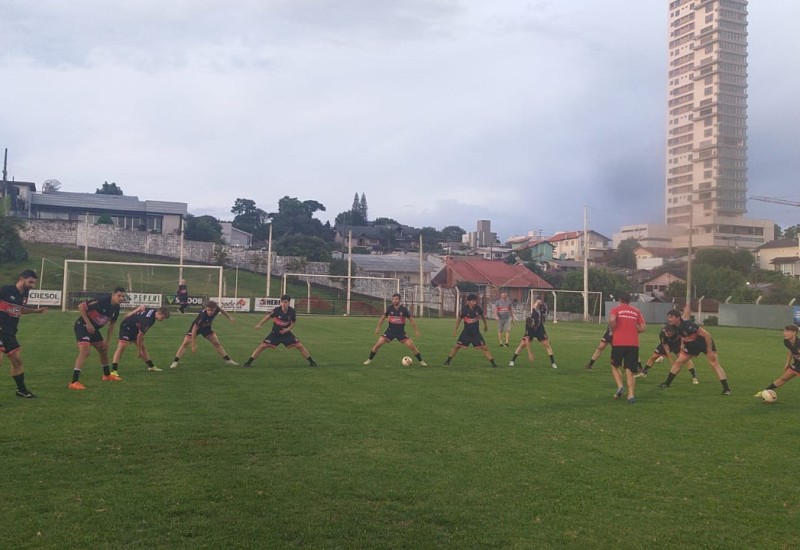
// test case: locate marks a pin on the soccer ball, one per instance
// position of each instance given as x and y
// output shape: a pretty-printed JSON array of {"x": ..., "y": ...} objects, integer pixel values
[
  {"x": 769, "y": 396},
  {"x": 407, "y": 361}
]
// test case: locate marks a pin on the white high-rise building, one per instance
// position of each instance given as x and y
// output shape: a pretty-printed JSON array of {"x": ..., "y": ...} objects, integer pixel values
[{"x": 706, "y": 172}]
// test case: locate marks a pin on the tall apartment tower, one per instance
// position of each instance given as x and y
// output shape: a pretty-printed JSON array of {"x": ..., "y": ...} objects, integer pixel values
[{"x": 706, "y": 172}]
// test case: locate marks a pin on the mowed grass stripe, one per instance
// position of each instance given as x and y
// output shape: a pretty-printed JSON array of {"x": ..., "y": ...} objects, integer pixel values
[{"x": 348, "y": 455}]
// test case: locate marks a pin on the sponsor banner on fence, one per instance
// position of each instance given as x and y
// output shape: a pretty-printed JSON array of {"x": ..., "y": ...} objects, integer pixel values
[
  {"x": 44, "y": 298},
  {"x": 240, "y": 305},
  {"x": 268, "y": 304},
  {"x": 136, "y": 299},
  {"x": 796, "y": 311}
]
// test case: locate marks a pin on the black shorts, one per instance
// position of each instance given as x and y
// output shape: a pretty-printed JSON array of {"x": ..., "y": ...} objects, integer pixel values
[
  {"x": 82, "y": 335},
  {"x": 128, "y": 333},
  {"x": 8, "y": 343},
  {"x": 696, "y": 347},
  {"x": 474, "y": 339},
  {"x": 795, "y": 367},
  {"x": 540, "y": 334},
  {"x": 201, "y": 331},
  {"x": 625, "y": 356},
  {"x": 607, "y": 335},
  {"x": 399, "y": 336},
  {"x": 274, "y": 339}
]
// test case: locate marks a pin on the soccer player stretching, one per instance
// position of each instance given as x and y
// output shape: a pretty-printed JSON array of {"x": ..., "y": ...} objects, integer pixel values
[
  {"x": 792, "y": 367},
  {"x": 132, "y": 329},
  {"x": 696, "y": 340},
  {"x": 13, "y": 305},
  {"x": 605, "y": 340},
  {"x": 283, "y": 320},
  {"x": 668, "y": 342},
  {"x": 626, "y": 323},
  {"x": 397, "y": 314},
  {"x": 202, "y": 325},
  {"x": 95, "y": 314},
  {"x": 471, "y": 314},
  {"x": 534, "y": 328}
]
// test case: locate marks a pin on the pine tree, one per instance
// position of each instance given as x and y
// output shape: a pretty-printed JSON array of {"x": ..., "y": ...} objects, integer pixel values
[{"x": 362, "y": 208}]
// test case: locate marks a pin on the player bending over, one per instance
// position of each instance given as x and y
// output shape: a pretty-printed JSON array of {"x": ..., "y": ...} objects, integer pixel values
[
  {"x": 534, "y": 328},
  {"x": 397, "y": 314},
  {"x": 283, "y": 320},
  {"x": 668, "y": 342},
  {"x": 792, "y": 367},
  {"x": 13, "y": 305},
  {"x": 132, "y": 329},
  {"x": 94, "y": 315},
  {"x": 471, "y": 314},
  {"x": 202, "y": 326}
]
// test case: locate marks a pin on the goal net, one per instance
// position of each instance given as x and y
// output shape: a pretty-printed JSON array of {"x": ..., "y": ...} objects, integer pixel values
[
  {"x": 568, "y": 305},
  {"x": 149, "y": 284},
  {"x": 332, "y": 295}
]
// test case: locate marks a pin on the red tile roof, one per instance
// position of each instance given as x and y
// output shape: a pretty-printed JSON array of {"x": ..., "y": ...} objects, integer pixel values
[{"x": 488, "y": 272}]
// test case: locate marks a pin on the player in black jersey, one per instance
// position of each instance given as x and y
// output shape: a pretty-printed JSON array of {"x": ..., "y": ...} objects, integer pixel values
[
  {"x": 792, "y": 367},
  {"x": 397, "y": 314},
  {"x": 13, "y": 305},
  {"x": 695, "y": 340},
  {"x": 605, "y": 340},
  {"x": 95, "y": 314},
  {"x": 132, "y": 329},
  {"x": 283, "y": 318},
  {"x": 471, "y": 314},
  {"x": 668, "y": 342},
  {"x": 534, "y": 328},
  {"x": 202, "y": 326},
  {"x": 182, "y": 296}
]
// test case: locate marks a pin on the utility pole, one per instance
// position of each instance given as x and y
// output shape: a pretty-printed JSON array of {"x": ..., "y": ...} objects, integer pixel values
[{"x": 5, "y": 173}]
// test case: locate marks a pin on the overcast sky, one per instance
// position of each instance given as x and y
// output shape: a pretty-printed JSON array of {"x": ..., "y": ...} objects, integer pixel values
[{"x": 442, "y": 112}]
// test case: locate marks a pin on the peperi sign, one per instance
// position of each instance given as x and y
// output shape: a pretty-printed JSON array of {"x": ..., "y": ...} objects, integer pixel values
[
  {"x": 44, "y": 298},
  {"x": 136, "y": 299}
]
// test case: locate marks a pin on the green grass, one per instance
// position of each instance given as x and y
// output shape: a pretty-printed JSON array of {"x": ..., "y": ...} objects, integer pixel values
[{"x": 349, "y": 456}]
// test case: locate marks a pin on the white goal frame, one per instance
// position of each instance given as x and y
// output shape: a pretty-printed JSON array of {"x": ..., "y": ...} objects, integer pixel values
[
  {"x": 586, "y": 314},
  {"x": 330, "y": 277},
  {"x": 178, "y": 267}
]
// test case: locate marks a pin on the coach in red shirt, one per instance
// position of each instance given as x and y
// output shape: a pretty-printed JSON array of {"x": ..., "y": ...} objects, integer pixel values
[{"x": 627, "y": 323}]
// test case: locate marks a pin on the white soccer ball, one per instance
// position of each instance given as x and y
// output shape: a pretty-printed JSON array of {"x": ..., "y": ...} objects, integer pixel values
[
  {"x": 407, "y": 361},
  {"x": 769, "y": 396}
]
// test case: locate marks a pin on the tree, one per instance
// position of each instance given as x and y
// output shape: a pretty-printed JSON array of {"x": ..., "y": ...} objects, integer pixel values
[
  {"x": 313, "y": 249},
  {"x": 715, "y": 282},
  {"x": 11, "y": 249},
  {"x": 624, "y": 255},
  {"x": 600, "y": 280},
  {"x": 362, "y": 208},
  {"x": 739, "y": 260},
  {"x": 385, "y": 221},
  {"x": 297, "y": 217},
  {"x": 430, "y": 238},
  {"x": 105, "y": 219},
  {"x": 248, "y": 217},
  {"x": 109, "y": 189},
  {"x": 357, "y": 215},
  {"x": 791, "y": 232},
  {"x": 452, "y": 233},
  {"x": 203, "y": 228}
]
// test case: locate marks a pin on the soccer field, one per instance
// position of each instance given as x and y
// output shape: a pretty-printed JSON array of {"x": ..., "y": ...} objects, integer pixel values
[{"x": 384, "y": 456}]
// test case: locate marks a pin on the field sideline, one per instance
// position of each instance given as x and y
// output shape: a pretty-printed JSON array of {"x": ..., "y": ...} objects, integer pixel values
[{"x": 346, "y": 455}]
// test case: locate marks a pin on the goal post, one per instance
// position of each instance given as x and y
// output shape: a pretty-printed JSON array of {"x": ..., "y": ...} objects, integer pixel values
[
  {"x": 371, "y": 289},
  {"x": 568, "y": 304},
  {"x": 145, "y": 283}
]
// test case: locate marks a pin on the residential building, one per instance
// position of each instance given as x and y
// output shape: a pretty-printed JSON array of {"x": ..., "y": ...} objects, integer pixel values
[
  {"x": 127, "y": 212},
  {"x": 19, "y": 193},
  {"x": 706, "y": 160},
  {"x": 490, "y": 277},
  {"x": 658, "y": 285},
  {"x": 236, "y": 237},
  {"x": 569, "y": 245},
  {"x": 648, "y": 234},
  {"x": 653, "y": 257},
  {"x": 482, "y": 237},
  {"x": 780, "y": 255}
]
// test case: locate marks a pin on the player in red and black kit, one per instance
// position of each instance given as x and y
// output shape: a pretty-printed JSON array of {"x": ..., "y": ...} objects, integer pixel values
[
  {"x": 668, "y": 342},
  {"x": 534, "y": 328},
  {"x": 182, "y": 296},
  {"x": 605, "y": 340},
  {"x": 472, "y": 315},
  {"x": 696, "y": 340},
  {"x": 283, "y": 319},
  {"x": 202, "y": 326},
  {"x": 13, "y": 305},
  {"x": 792, "y": 367},
  {"x": 626, "y": 324},
  {"x": 95, "y": 314},
  {"x": 132, "y": 329},
  {"x": 397, "y": 314}
]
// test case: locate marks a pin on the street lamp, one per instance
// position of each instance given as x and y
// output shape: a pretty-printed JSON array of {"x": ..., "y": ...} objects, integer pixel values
[{"x": 269, "y": 256}]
